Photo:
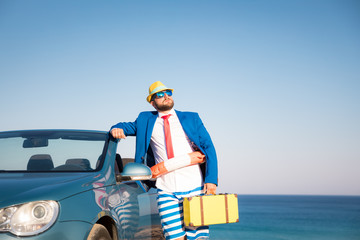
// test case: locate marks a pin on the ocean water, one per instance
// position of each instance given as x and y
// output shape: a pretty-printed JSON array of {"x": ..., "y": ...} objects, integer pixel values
[{"x": 263, "y": 217}]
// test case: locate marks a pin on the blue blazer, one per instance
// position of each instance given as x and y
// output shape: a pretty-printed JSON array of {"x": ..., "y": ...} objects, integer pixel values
[{"x": 194, "y": 128}]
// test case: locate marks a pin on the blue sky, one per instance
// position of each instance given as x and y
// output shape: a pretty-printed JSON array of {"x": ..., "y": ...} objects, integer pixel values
[{"x": 276, "y": 83}]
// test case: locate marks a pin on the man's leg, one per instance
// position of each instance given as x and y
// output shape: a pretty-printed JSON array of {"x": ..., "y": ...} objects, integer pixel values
[
  {"x": 170, "y": 211},
  {"x": 193, "y": 233},
  {"x": 172, "y": 220}
]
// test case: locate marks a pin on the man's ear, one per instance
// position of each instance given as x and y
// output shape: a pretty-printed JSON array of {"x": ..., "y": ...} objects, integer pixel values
[{"x": 153, "y": 104}]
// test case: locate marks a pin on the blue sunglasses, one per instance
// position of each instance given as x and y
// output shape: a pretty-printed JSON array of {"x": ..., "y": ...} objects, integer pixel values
[{"x": 162, "y": 94}]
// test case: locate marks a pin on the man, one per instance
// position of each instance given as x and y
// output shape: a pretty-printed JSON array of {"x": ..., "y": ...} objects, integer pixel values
[{"x": 173, "y": 144}]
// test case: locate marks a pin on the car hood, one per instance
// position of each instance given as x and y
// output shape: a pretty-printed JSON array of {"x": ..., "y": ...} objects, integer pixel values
[{"x": 17, "y": 188}]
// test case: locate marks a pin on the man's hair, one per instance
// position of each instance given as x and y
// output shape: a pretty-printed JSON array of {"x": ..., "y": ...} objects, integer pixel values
[{"x": 153, "y": 97}]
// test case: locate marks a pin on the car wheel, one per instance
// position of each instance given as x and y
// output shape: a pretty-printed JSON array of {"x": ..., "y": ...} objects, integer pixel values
[{"x": 99, "y": 232}]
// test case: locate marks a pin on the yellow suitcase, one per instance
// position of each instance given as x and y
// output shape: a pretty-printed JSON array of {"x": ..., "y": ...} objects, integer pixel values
[{"x": 210, "y": 209}]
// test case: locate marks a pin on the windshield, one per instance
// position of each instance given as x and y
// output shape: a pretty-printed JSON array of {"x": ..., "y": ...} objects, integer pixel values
[{"x": 51, "y": 150}]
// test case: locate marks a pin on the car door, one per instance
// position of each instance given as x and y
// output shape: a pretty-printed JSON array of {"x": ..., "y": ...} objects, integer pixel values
[{"x": 136, "y": 208}]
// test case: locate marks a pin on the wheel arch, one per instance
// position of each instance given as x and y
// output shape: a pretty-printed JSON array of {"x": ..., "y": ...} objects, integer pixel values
[{"x": 110, "y": 225}]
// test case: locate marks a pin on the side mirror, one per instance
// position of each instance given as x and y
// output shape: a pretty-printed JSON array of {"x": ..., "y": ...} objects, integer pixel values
[{"x": 134, "y": 172}]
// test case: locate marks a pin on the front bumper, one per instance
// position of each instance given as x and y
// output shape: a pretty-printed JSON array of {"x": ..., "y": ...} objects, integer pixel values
[{"x": 59, "y": 231}]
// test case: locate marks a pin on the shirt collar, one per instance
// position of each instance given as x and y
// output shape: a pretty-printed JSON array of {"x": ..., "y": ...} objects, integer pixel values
[{"x": 172, "y": 112}]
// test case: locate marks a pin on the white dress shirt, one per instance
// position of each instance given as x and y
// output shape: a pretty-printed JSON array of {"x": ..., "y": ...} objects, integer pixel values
[{"x": 183, "y": 179}]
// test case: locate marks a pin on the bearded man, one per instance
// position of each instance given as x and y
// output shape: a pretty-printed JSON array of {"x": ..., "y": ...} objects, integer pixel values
[{"x": 178, "y": 149}]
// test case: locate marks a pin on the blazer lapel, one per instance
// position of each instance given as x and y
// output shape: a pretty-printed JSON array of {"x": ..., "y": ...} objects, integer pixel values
[
  {"x": 149, "y": 128},
  {"x": 187, "y": 125}
]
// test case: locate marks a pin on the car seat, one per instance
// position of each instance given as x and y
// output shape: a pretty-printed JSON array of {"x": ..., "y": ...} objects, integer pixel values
[
  {"x": 81, "y": 162},
  {"x": 40, "y": 162}
]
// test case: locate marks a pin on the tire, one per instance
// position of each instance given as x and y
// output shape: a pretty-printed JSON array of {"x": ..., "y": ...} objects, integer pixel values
[{"x": 99, "y": 232}]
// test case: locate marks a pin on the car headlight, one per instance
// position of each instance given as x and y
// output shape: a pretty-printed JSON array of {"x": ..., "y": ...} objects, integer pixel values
[{"x": 28, "y": 219}]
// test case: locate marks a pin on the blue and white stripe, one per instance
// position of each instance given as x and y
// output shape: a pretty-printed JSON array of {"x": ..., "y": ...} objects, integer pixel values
[{"x": 172, "y": 218}]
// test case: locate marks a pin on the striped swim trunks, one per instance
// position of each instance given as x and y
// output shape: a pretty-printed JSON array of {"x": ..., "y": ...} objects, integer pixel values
[{"x": 170, "y": 206}]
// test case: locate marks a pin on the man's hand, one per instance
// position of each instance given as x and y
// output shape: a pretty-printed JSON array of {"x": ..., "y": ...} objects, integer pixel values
[
  {"x": 196, "y": 157},
  {"x": 118, "y": 133},
  {"x": 209, "y": 188}
]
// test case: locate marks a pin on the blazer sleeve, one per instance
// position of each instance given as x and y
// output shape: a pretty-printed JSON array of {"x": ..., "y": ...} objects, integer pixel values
[
  {"x": 128, "y": 127},
  {"x": 206, "y": 144}
]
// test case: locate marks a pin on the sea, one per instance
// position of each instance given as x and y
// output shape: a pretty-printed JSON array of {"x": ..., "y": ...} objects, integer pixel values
[{"x": 293, "y": 217}]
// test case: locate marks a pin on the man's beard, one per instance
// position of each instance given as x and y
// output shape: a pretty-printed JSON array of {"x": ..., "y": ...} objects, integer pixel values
[{"x": 164, "y": 107}]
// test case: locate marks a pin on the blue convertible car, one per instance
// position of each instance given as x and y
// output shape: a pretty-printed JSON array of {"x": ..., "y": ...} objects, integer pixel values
[{"x": 71, "y": 184}]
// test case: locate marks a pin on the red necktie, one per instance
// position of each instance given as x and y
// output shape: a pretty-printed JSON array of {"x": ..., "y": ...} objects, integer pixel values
[{"x": 169, "y": 147}]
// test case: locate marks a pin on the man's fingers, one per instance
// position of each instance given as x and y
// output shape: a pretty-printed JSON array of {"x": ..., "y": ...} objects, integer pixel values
[
  {"x": 201, "y": 158},
  {"x": 118, "y": 133},
  {"x": 209, "y": 188},
  {"x": 211, "y": 191},
  {"x": 196, "y": 157}
]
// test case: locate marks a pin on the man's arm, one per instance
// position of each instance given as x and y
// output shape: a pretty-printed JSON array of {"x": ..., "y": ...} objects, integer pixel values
[
  {"x": 123, "y": 129},
  {"x": 177, "y": 163},
  {"x": 211, "y": 174}
]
